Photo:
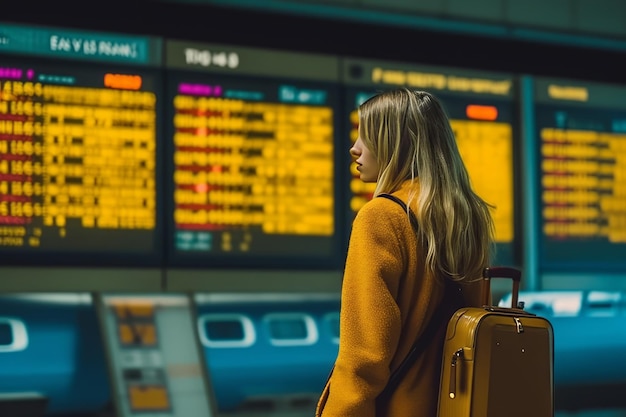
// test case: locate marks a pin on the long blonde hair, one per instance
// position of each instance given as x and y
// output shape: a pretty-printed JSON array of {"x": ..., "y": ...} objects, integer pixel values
[{"x": 410, "y": 134}]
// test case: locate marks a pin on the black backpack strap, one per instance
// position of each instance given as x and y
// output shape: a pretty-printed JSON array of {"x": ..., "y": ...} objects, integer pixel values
[
  {"x": 404, "y": 207},
  {"x": 442, "y": 314}
]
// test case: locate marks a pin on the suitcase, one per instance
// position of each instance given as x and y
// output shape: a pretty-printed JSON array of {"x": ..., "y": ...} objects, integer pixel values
[{"x": 497, "y": 361}]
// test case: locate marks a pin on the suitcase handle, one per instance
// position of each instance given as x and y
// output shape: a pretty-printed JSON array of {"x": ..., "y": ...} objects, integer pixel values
[{"x": 501, "y": 272}]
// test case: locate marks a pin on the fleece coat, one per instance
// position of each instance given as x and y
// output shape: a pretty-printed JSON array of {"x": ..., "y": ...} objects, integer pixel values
[{"x": 387, "y": 300}]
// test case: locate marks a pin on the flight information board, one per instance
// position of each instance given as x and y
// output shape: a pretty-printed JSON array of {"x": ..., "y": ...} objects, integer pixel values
[
  {"x": 78, "y": 148},
  {"x": 482, "y": 114},
  {"x": 582, "y": 131},
  {"x": 253, "y": 147}
]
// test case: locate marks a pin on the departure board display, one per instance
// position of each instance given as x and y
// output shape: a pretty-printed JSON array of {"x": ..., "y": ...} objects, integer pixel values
[
  {"x": 253, "y": 147},
  {"x": 481, "y": 109},
  {"x": 78, "y": 149},
  {"x": 582, "y": 131}
]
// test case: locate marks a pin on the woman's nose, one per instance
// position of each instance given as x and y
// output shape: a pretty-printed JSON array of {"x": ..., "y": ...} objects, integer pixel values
[{"x": 354, "y": 150}]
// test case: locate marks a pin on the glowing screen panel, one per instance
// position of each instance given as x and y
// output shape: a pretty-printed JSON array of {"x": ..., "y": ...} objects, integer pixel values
[
  {"x": 78, "y": 153},
  {"x": 481, "y": 110},
  {"x": 582, "y": 131},
  {"x": 253, "y": 157}
]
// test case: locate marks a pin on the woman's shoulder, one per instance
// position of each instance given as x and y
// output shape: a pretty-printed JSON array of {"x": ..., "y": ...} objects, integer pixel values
[
  {"x": 381, "y": 209},
  {"x": 381, "y": 202}
]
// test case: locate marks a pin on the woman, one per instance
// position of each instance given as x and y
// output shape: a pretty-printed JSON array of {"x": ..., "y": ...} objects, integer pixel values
[{"x": 394, "y": 273}]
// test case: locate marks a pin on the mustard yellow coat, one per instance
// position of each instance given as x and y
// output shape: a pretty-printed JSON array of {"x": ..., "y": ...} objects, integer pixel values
[{"x": 387, "y": 300}]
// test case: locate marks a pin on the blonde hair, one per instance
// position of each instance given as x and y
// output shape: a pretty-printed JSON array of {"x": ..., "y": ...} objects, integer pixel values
[{"x": 410, "y": 135}]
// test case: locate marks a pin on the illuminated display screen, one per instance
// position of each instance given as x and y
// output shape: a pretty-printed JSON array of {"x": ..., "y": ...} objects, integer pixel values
[
  {"x": 582, "y": 131},
  {"x": 78, "y": 164},
  {"x": 253, "y": 169},
  {"x": 481, "y": 110}
]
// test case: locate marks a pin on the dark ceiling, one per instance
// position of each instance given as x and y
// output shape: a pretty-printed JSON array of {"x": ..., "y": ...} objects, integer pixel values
[{"x": 331, "y": 36}]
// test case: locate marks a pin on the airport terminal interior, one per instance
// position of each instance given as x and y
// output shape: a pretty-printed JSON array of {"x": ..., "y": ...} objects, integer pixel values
[{"x": 191, "y": 159}]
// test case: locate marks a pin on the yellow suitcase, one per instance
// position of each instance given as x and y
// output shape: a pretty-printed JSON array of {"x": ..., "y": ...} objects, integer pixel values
[{"x": 497, "y": 361}]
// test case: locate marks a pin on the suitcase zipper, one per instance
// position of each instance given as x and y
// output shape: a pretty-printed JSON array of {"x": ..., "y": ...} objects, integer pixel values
[
  {"x": 455, "y": 357},
  {"x": 518, "y": 325}
]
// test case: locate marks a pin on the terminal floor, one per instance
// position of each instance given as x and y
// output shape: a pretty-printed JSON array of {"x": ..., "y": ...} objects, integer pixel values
[
  {"x": 592, "y": 413},
  {"x": 621, "y": 412}
]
